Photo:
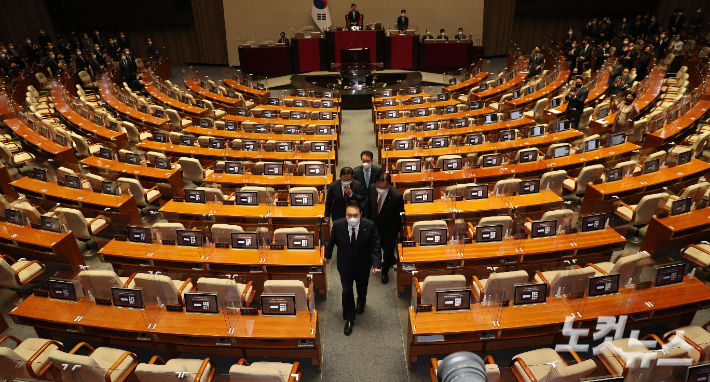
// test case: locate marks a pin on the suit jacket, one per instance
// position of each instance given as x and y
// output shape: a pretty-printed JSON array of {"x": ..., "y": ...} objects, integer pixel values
[
  {"x": 568, "y": 39},
  {"x": 6, "y": 65},
  {"x": 676, "y": 21},
  {"x": 359, "y": 175},
  {"x": 43, "y": 40},
  {"x": 98, "y": 39},
  {"x": 620, "y": 84},
  {"x": 53, "y": 64},
  {"x": 601, "y": 54},
  {"x": 696, "y": 19},
  {"x": 114, "y": 50},
  {"x": 95, "y": 66},
  {"x": 585, "y": 52},
  {"x": 402, "y": 23},
  {"x": 81, "y": 63},
  {"x": 605, "y": 28},
  {"x": 577, "y": 102},
  {"x": 535, "y": 61},
  {"x": 638, "y": 27},
  {"x": 353, "y": 18},
  {"x": 460, "y": 37},
  {"x": 366, "y": 253},
  {"x": 284, "y": 40},
  {"x": 615, "y": 72},
  {"x": 642, "y": 65},
  {"x": 630, "y": 56},
  {"x": 652, "y": 28},
  {"x": 87, "y": 43},
  {"x": 444, "y": 37},
  {"x": 123, "y": 43},
  {"x": 623, "y": 29},
  {"x": 152, "y": 51},
  {"x": 125, "y": 68},
  {"x": 427, "y": 37},
  {"x": 389, "y": 219},
  {"x": 335, "y": 201}
]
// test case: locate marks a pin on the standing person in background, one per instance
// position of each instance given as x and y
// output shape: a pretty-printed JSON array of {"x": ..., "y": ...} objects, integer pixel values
[
  {"x": 568, "y": 39},
  {"x": 403, "y": 21},
  {"x": 87, "y": 42},
  {"x": 358, "y": 250},
  {"x": 151, "y": 49},
  {"x": 585, "y": 55},
  {"x": 603, "y": 54},
  {"x": 340, "y": 193},
  {"x": 283, "y": 39},
  {"x": 652, "y": 27},
  {"x": 98, "y": 39},
  {"x": 622, "y": 82},
  {"x": 696, "y": 20},
  {"x": 43, "y": 39},
  {"x": 642, "y": 64},
  {"x": 123, "y": 42},
  {"x": 536, "y": 63},
  {"x": 626, "y": 110},
  {"x": 623, "y": 29},
  {"x": 571, "y": 55},
  {"x": 629, "y": 55},
  {"x": 677, "y": 45},
  {"x": 605, "y": 30},
  {"x": 576, "y": 97},
  {"x": 353, "y": 16},
  {"x": 385, "y": 207},
  {"x": 32, "y": 50},
  {"x": 367, "y": 172},
  {"x": 676, "y": 22}
]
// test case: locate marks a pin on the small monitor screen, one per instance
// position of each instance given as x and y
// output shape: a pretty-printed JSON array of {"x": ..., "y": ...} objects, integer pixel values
[
  {"x": 113, "y": 125},
  {"x": 14, "y": 217},
  {"x": 461, "y": 122},
  {"x": 326, "y": 104},
  {"x": 268, "y": 114},
  {"x": 61, "y": 290},
  {"x": 314, "y": 169},
  {"x": 477, "y": 192},
  {"x": 187, "y": 140},
  {"x": 613, "y": 174},
  {"x": 421, "y": 112},
  {"x": 404, "y": 144},
  {"x": 591, "y": 145},
  {"x": 325, "y": 115},
  {"x": 500, "y": 81},
  {"x": 105, "y": 153},
  {"x": 618, "y": 139},
  {"x": 685, "y": 157},
  {"x": 206, "y": 123},
  {"x": 300, "y": 240},
  {"x": 387, "y": 93},
  {"x": 195, "y": 196},
  {"x": 284, "y": 146},
  {"x": 556, "y": 102},
  {"x": 72, "y": 181},
  {"x": 441, "y": 97},
  {"x": 140, "y": 235},
  {"x": 245, "y": 240},
  {"x": 511, "y": 75},
  {"x": 516, "y": 94},
  {"x": 561, "y": 151},
  {"x": 430, "y": 126},
  {"x": 410, "y": 166},
  {"x": 474, "y": 139},
  {"x": 299, "y": 103},
  {"x": 319, "y": 147},
  {"x": 233, "y": 168},
  {"x": 301, "y": 93},
  {"x": 51, "y": 224},
  {"x": 543, "y": 229},
  {"x": 537, "y": 131},
  {"x": 291, "y": 129},
  {"x": 651, "y": 166},
  {"x": 528, "y": 156},
  {"x": 490, "y": 118},
  {"x": 327, "y": 94},
  {"x": 474, "y": 105},
  {"x": 698, "y": 373},
  {"x": 450, "y": 109},
  {"x": 528, "y": 187},
  {"x": 273, "y": 101},
  {"x": 603, "y": 112},
  {"x": 452, "y": 81},
  {"x": 516, "y": 114},
  {"x": 591, "y": 223},
  {"x": 451, "y": 164},
  {"x": 489, "y": 233},
  {"x": 418, "y": 100},
  {"x": 388, "y": 102},
  {"x": 412, "y": 91},
  {"x": 421, "y": 195},
  {"x": 507, "y": 135},
  {"x": 492, "y": 160},
  {"x": 189, "y": 238},
  {"x": 303, "y": 199},
  {"x": 670, "y": 274},
  {"x": 528, "y": 294},
  {"x": 230, "y": 126},
  {"x": 249, "y": 145},
  {"x": 397, "y": 128},
  {"x": 603, "y": 285},
  {"x": 127, "y": 298},
  {"x": 432, "y": 237},
  {"x": 439, "y": 142},
  {"x": 133, "y": 158},
  {"x": 109, "y": 188},
  {"x": 681, "y": 206},
  {"x": 163, "y": 163},
  {"x": 216, "y": 143},
  {"x": 201, "y": 303},
  {"x": 296, "y": 114},
  {"x": 453, "y": 300},
  {"x": 561, "y": 126},
  {"x": 273, "y": 168},
  {"x": 483, "y": 87},
  {"x": 242, "y": 111},
  {"x": 160, "y": 137},
  {"x": 278, "y": 305},
  {"x": 323, "y": 130},
  {"x": 246, "y": 198},
  {"x": 392, "y": 114}
]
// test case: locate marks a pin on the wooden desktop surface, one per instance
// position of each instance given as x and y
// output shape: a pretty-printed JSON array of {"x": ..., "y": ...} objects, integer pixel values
[
  {"x": 36, "y": 244},
  {"x": 400, "y": 97},
  {"x": 492, "y": 204},
  {"x": 502, "y": 125},
  {"x": 219, "y": 210},
  {"x": 436, "y": 104},
  {"x": 119, "y": 206},
  {"x": 379, "y": 123},
  {"x": 227, "y": 154},
  {"x": 224, "y": 100},
  {"x": 44, "y": 145},
  {"x": 524, "y": 101},
  {"x": 172, "y": 103},
  {"x": 140, "y": 172},
  {"x": 677, "y": 231},
  {"x": 671, "y": 131},
  {"x": 500, "y": 90},
  {"x": 240, "y": 134},
  {"x": 88, "y": 127},
  {"x": 279, "y": 121},
  {"x": 143, "y": 119},
  {"x": 253, "y": 93},
  {"x": 464, "y": 85},
  {"x": 231, "y": 180},
  {"x": 592, "y": 96}
]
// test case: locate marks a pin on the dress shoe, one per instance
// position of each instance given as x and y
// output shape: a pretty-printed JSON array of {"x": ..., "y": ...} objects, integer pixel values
[
  {"x": 348, "y": 328},
  {"x": 360, "y": 309},
  {"x": 385, "y": 277}
]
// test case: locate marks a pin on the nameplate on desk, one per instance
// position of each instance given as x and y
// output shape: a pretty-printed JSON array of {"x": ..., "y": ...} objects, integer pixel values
[
  {"x": 35, "y": 225},
  {"x": 143, "y": 337},
  {"x": 409, "y": 243},
  {"x": 223, "y": 342},
  {"x": 432, "y": 338},
  {"x": 487, "y": 335},
  {"x": 221, "y": 245},
  {"x": 121, "y": 160},
  {"x": 394, "y": 172},
  {"x": 148, "y": 164},
  {"x": 103, "y": 301},
  {"x": 60, "y": 183},
  {"x": 281, "y": 203},
  {"x": 256, "y": 269},
  {"x": 662, "y": 215},
  {"x": 247, "y": 311},
  {"x": 435, "y": 169},
  {"x": 120, "y": 238},
  {"x": 597, "y": 181},
  {"x": 257, "y": 173},
  {"x": 168, "y": 242},
  {"x": 310, "y": 133},
  {"x": 424, "y": 308},
  {"x": 305, "y": 150},
  {"x": 459, "y": 198},
  {"x": 40, "y": 292},
  {"x": 468, "y": 240},
  {"x": 306, "y": 343},
  {"x": 276, "y": 246},
  {"x": 178, "y": 200},
  {"x": 173, "y": 308},
  {"x": 476, "y": 166},
  {"x": 269, "y": 150},
  {"x": 316, "y": 270},
  {"x": 219, "y": 171},
  {"x": 228, "y": 202},
  {"x": 298, "y": 173}
]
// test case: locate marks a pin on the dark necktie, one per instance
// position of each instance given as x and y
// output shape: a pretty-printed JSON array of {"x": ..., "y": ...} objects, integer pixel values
[
  {"x": 353, "y": 238},
  {"x": 345, "y": 197},
  {"x": 380, "y": 202}
]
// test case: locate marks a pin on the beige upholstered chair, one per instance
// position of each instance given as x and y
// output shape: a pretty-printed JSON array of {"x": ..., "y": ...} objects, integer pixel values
[
  {"x": 400, "y": 163},
  {"x": 551, "y": 150},
  {"x": 170, "y": 292},
  {"x": 441, "y": 159},
  {"x": 626, "y": 266},
  {"x": 506, "y": 187},
  {"x": 564, "y": 218},
  {"x": 280, "y": 233},
  {"x": 695, "y": 336},
  {"x": 611, "y": 358},
  {"x": 640, "y": 214},
  {"x": 570, "y": 280},
  {"x": 176, "y": 122},
  {"x": 176, "y": 370},
  {"x": 84, "y": 147},
  {"x": 214, "y": 194},
  {"x": 304, "y": 295},
  {"x": 698, "y": 254},
  {"x": 222, "y": 233},
  {"x": 28, "y": 211},
  {"x": 16, "y": 274},
  {"x": 102, "y": 364},
  {"x": 538, "y": 110},
  {"x": 143, "y": 197},
  {"x": 133, "y": 133},
  {"x": 227, "y": 290},
  {"x": 17, "y": 159},
  {"x": 192, "y": 170},
  {"x": 492, "y": 370},
  {"x": 695, "y": 191},
  {"x": 263, "y": 194},
  {"x": 585, "y": 118},
  {"x": 553, "y": 181},
  {"x": 505, "y": 221},
  {"x": 95, "y": 181},
  {"x": 166, "y": 231},
  {"x": 31, "y": 354},
  {"x": 83, "y": 228},
  {"x": 537, "y": 365},
  {"x": 459, "y": 189},
  {"x": 306, "y": 190},
  {"x": 265, "y": 372},
  {"x": 217, "y": 113},
  {"x": 424, "y": 225},
  {"x": 426, "y": 290},
  {"x": 588, "y": 175},
  {"x": 499, "y": 286}
]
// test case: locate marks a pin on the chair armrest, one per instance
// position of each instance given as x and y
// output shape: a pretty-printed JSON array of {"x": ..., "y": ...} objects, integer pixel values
[
  {"x": 606, "y": 364},
  {"x": 182, "y": 288},
  {"x": 17, "y": 340},
  {"x": 480, "y": 287},
  {"x": 527, "y": 371},
  {"x": 633, "y": 211},
  {"x": 207, "y": 361},
  {"x": 17, "y": 273},
  {"x": 118, "y": 362},
  {"x": 418, "y": 289},
  {"x": 295, "y": 374},
  {"x": 539, "y": 274},
  {"x": 130, "y": 279},
  {"x": 148, "y": 190},
  {"x": 155, "y": 359},
  {"x": 246, "y": 298},
  {"x": 81, "y": 345},
  {"x": 88, "y": 225},
  {"x": 597, "y": 268},
  {"x": 6, "y": 257},
  {"x": 472, "y": 230},
  {"x": 573, "y": 353},
  {"x": 692, "y": 343},
  {"x": 32, "y": 359},
  {"x": 654, "y": 337},
  {"x": 433, "y": 367},
  {"x": 409, "y": 232},
  {"x": 489, "y": 360},
  {"x": 618, "y": 257},
  {"x": 243, "y": 362}
]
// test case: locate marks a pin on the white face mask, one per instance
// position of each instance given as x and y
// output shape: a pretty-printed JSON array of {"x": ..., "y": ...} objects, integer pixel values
[
  {"x": 346, "y": 183},
  {"x": 428, "y": 32},
  {"x": 366, "y": 165},
  {"x": 570, "y": 33},
  {"x": 353, "y": 221},
  {"x": 402, "y": 14},
  {"x": 381, "y": 191}
]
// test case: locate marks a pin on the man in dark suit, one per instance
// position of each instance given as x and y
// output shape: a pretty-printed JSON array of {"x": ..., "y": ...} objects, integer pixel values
[
  {"x": 403, "y": 21},
  {"x": 341, "y": 192},
  {"x": 642, "y": 64},
  {"x": 615, "y": 69},
  {"x": 442, "y": 35},
  {"x": 126, "y": 68},
  {"x": 80, "y": 61},
  {"x": 43, "y": 39},
  {"x": 74, "y": 39},
  {"x": 460, "y": 36},
  {"x": 52, "y": 63},
  {"x": 114, "y": 50},
  {"x": 629, "y": 55},
  {"x": 569, "y": 38},
  {"x": 353, "y": 16},
  {"x": 32, "y": 50},
  {"x": 622, "y": 83},
  {"x": 358, "y": 250},
  {"x": 585, "y": 55},
  {"x": 676, "y": 22},
  {"x": 283, "y": 39},
  {"x": 427, "y": 35},
  {"x": 696, "y": 20},
  {"x": 95, "y": 64},
  {"x": 123, "y": 42},
  {"x": 576, "y": 97},
  {"x": 638, "y": 27},
  {"x": 536, "y": 63},
  {"x": 367, "y": 172},
  {"x": 652, "y": 27},
  {"x": 571, "y": 55},
  {"x": 603, "y": 54},
  {"x": 605, "y": 30},
  {"x": 385, "y": 207},
  {"x": 98, "y": 39},
  {"x": 623, "y": 29},
  {"x": 7, "y": 65},
  {"x": 151, "y": 49}
]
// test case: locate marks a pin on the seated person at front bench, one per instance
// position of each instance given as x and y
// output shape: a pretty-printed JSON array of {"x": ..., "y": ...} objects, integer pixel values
[
  {"x": 460, "y": 35},
  {"x": 428, "y": 35},
  {"x": 442, "y": 36},
  {"x": 283, "y": 39},
  {"x": 353, "y": 17}
]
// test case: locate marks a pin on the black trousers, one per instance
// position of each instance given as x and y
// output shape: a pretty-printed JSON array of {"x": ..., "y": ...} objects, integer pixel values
[
  {"x": 389, "y": 252},
  {"x": 360, "y": 277},
  {"x": 574, "y": 115}
]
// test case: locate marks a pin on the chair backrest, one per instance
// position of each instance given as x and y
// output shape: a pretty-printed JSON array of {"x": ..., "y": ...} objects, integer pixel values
[
  {"x": 7, "y": 279},
  {"x": 588, "y": 175},
  {"x": 506, "y": 186},
  {"x": 222, "y": 233},
  {"x": 136, "y": 189},
  {"x": 695, "y": 191},
  {"x": 131, "y": 131},
  {"x": 212, "y": 194},
  {"x": 433, "y": 283},
  {"x": 540, "y": 106},
  {"x": 89, "y": 369},
  {"x": 627, "y": 166},
  {"x": 95, "y": 180},
  {"x": 163, "y": 373},
  {"x": 398, "y": 165},
  {"x": 290, "y": 286},
  {"x": 99, "y": 282},
  {"x": 427, "y": 224},
  {"x": 263, "y": 194},
  {"x": 564, "y": 217},
  {"x": 157, "y": 286},
  {"x": 442, "y": 158},
  {"x": 302, "y": 165},
  {"x": 257, "y": 372},
  {"x": 584, "y": 119},
  {"x": 280, "y": 233},
  {"x": 501, "y": 285},
  {"x": 551, "y": 149},
  {"x": 553, "y": 181},
  {"x": 517, "y": 155},
  {"x": 699, "y": 145},
  {"x": 305, "y": 190},
  {"x": 76, "y": 223},
  {"x": 648, "y": 206},
  {"x": 28, "y": 211},
  {"x": 175, "y": 120},
  {"x": 505, "y": 221},
  {"x": 627, "y": 266},
  {"x": 571, "y": 281},
  {"x": 459, "y": 189},
  {"x": 191, "y": 169},
  {"x": 228, "y": 290},
  {"x": 166, "y": 231},
  {"x": 81, "y": 145}
]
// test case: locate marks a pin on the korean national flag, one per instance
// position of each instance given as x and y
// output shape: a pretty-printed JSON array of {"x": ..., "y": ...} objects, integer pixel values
[{"x": 321, "y": 14}]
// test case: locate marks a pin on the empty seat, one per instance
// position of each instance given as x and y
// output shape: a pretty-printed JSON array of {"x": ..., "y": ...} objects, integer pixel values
[
  {"x": 304, "y": 295},
  {"x": 426, "y": 290},
  {"x": 102, "y": 364},
  {"x": 264, "y": 372},
  {"x": 424, "y": 225},
  {"x": 28, "y": 360},
  {"x": 143, "y": 197},
  {"x": 176, "y": 122},
  {"x": 625, "y": 266},
  {"x": 611, "y": 358},
  {"x": 553, "y": 181},
  {"x": 222, "y": 233},
  {"x": 176, "y": 370},
  {"x": 588, "y": 175},
  {"x": 213, "y": 194},
  {"x": 100, "y": 282},
  {"x": 566, "y": 281},
  {"x": 228, "y": 290},
  {"x": 18, "y": 159},
  {"x": 564, "y": 218},
  {"x": 192, "y": 170},
  {"x": 640, "y": 214},
  {"x": 83, "y": 228},
  {"x": 695, "y": 336},
  {"x": 16, "y": 274},
  {"x": 442, "y": 158},
  {"x": 698, "y": 254},
  {"x": 695, "y": 192},
  {"x": 306, "y": 190},
  {"x": 506, "y": 187},
  {"x": 263, "y": 194},
  {"x": 548, "y": 365},
  {"x": 499, "y": 286},
  {"x": 505, "y": 221},
  {"x": 280, "y": 233},
  {"x": 133, "y": 134},
  {"x": 167, "y": 231},
  {"x": 538, "y": 110},
  {"x": 170, "y": 292}
]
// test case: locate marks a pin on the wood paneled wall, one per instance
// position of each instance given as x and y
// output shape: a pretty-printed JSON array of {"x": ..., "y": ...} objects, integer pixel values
[
  {"x": 498, "y": 26},
  {"x": 666, "y": 7},
  {"x": 202, "y": 42}
]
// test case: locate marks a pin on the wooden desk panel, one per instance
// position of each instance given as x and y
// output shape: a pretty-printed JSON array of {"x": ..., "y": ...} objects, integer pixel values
[
  {"x": 36, "y": 244},
  {"x": 672, "y": 131},
  {"x": 234, "y": 181},
  {"x": 677, "y": 231},
  {"x": 482, "y": 206},
  {"x": 437, "y": 104},
  {"x": 174, "y": 332},
  {"x": 542, "y": 93},
  {"x": 86, "y": 127},
  {"x": 240, "y": 134},
  {"x": 377, "y": 101},
  {"x": 503, "y": 125},
  {"x": 540, "y": 325},
  {"x": 5, "y": 180},
  {"x": 231, "y": 103},
  {"x": 464, "y": 86},
  {"x": 258, "y": 95},
  {"x": 144, "y": 173},
  {"x": 118, "y": 208},
  {"x": 500, "y": 90},
  {"x": 145, "y": 120},
  {"x": 384, "y": 122},
  {"x": 198, "y": 152},
  {"x": 225, "y": 212},
  {"x": 602, "y": 197},
  {"x": 172, "y": 103},
  {"x": 44, "y": 146},
  {"x": 279, "y": 121}
]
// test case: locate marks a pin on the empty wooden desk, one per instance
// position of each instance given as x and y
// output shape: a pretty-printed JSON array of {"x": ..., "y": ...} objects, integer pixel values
[
  {"x": 144, "y": 173},
  {"x": 229, "y": 103},
  {"x": 677, "y": 231},
  {"x": 383, "y": 123},
  {"x": 146, "y": 120},
  {"x": 241, "y": 134},
  {"x": 483, "y": 207},
  {"x": 233, "y": 181},
  {"x": 44, "y": 146},
  {"x": 36, "y": 244},
  {"x": 674, "y": 131},
  {"x": 172, "y": 103},
  {"x": 546, "y": 91},
  {"x": 465, "y": 86},
  {"x": 498, "y": 91},
  {"x": 121, "y": 209},
  {"x": 260, "y": 96}
]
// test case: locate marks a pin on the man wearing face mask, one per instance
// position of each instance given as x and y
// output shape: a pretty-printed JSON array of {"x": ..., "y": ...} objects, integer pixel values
[
  {"x": 113, "y": 49},
  {"x": 340, "y": 193},
  {"x": 32, "y": 50},
  {"x": 367, "y": 172},
  {"x": 642, "y": 64},
  {"x": 428, "y": 35},
  {"x": 151, "y": 49},
  {"x": 638, "y": 27},
  {"x": 569, "y": 38},
  {"x": 696, "y": 20},
  {"x": 385, "y": 207},
  {"x": 442, "y": 36},
  {"x": 653, "y": 26},
  {"x": 623, "y": 29},
  {"x": 283, "y": 39},
  {"x": 43, "y": 39},
  {"x": 571, "y": 56},
  {"x": 403, "y": 21},
  {"x": 676, "y": 21},
  {"x": 123, "y": 42},
  {"x": 95, "y": 65},
  {"x": 7, "y": 65},
  {"x": 52, "y": 63},
  {"x": 604, "y": 30},
  {"x": 460, "y": 36},
  {"x": 660, "y": 44},
  {"x": 576, "y": 97},
  {"x": 603, "y": 54},
  {"x": 80, "y": 61},
  {"x": 677, "y": 45},
  {"x": 358, "y": 250},
  {"x": 98, "y": 39},
  {"x": 626, "y": 110},
  {"x": 630, "y": 54},
  {"x": 584, "y": 55},
  {"x": 87, "y": 43},
  {"x": 622, "y": 82},
  {"x": 536, "y": 63}
]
